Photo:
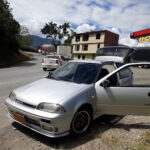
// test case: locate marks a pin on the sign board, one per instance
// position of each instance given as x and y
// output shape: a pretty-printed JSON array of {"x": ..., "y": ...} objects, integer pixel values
[
  {"x": 144, "y": 39},
  {"x": 141, "y": 33}
]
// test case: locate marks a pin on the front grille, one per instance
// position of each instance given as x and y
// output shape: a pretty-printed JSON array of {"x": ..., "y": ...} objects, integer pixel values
[
  {"x": 32, "y": 121},
  {"x": 26, "y": 104}
]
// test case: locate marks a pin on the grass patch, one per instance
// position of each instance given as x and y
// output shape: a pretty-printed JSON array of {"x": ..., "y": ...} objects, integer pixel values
[
  {"x": 144, "y": 142},
  {"x": 112, "y": 142},
  {"x": 14, "y": 59}
]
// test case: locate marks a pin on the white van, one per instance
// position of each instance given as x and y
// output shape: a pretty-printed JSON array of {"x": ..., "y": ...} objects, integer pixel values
[{"x": 115, "y": 53}]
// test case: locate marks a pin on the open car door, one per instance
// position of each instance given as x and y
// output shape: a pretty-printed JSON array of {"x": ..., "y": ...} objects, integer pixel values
[{"x": 128, "y": 95}]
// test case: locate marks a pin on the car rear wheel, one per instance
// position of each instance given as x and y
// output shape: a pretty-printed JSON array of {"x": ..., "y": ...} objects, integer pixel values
[
  {"x": 81, "y": 121},
  {"x": 44, "y": 69}
]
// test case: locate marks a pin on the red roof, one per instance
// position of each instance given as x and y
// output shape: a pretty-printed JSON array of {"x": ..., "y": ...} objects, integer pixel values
[{"x": 140, "y": 33}]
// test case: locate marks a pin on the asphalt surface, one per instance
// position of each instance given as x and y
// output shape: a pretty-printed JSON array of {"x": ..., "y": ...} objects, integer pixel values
[{"x": 15, "y": 76}]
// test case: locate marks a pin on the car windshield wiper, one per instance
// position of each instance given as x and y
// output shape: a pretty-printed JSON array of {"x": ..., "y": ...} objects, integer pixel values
[
  {"x": 51, "y": 77},
  {"x": 69, "y": 80},
  {"x": 76, "y": 82}
]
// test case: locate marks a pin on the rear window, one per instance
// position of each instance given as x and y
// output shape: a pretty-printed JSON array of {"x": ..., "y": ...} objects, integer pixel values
[
  {"x": 55, "y": 57},
  {"x": 113, "y": 51}
]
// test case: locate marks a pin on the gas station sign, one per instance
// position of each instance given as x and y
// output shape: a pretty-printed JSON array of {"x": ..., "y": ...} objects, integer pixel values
[
  {"x": 144, "y": 39},
  {"x": 142, "y": 36}
]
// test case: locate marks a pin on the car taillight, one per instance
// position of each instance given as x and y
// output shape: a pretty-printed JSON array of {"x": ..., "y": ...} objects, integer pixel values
[
  {"x": 42, "y": 60},
  {"x": 40, "y": 47},
  {"x": 57, "y": 61}
]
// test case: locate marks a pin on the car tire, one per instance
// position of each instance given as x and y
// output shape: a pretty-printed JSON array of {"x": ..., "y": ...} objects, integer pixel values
[
  {"x": 44, "y": 69},
  {"x": 81, "y": 121},
  {"x": 145, "y": 66}
]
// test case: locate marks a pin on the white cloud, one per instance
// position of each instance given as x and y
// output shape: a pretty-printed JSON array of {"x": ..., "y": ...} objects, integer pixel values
[
  {"x": 127, "y": 41},
  {"x": 124, "y": 38},
  {"x": 85, "y": 28},
  {"x": 115, "y": 30},
  {"x": 126, "y": 15},
  {"x": 146, "y": 44},
  {"x": 117, "y": 15}
]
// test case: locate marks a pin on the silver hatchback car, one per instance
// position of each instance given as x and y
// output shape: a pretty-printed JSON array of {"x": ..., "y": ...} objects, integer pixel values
[
  {"x": 52, "y": 62},
  {"x": 71, "y": 97}
]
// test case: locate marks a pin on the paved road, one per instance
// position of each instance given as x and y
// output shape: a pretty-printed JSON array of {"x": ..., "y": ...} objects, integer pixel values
[{"x": 13, "y": 77}]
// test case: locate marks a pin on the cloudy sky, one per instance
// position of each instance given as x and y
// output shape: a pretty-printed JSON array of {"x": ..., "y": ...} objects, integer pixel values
[{"x": 120, "y": 16}]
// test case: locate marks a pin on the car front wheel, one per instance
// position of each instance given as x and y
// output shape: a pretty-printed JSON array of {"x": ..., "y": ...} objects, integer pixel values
[{"x": 81, "y": 122}]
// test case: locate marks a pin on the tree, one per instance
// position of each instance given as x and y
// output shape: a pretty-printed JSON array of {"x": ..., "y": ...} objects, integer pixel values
[
  {"x": 9, "y": 30},
  {"x": 25, "y": 37},
  {"x": 68, "y": 41},
  {"x": 55, "y": 32}
]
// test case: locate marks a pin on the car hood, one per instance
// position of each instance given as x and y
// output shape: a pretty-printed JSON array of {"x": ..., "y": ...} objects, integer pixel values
[
  {"x": 109, "y": 58},
  {"x": 47, "y": 90}
]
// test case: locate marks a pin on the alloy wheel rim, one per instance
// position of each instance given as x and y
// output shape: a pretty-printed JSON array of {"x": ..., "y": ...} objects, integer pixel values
[{"x": 81, "y": 121}]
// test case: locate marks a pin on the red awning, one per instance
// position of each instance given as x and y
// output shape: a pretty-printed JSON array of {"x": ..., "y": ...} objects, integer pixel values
[{"x": 140, "y": 33}]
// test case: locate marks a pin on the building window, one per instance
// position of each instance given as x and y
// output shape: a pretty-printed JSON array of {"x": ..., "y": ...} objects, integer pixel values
[
  {"x": 77, "y": 47},
  {"x": 83, "y": 56},
  {"x": 85, "y": 37},
  {"x": 85, "y": 47},
  {"x": 79, "y": 56},
  {"x": 98, "y": 45},
  {"x": 98, "y": 35},
  {"x": 77, "y": 38}
]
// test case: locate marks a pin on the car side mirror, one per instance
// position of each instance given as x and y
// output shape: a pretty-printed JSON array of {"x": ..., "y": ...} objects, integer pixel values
[{"x": 105, "y": 84}]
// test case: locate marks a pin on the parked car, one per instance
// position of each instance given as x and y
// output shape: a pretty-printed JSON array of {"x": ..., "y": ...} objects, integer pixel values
[
  {"x": 71, "y": 97},
  {"x": 52, "y": 62}
]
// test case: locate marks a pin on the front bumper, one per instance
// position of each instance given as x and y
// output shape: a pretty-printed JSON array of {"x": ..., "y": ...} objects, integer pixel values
[{"x": 48, "y": 124}]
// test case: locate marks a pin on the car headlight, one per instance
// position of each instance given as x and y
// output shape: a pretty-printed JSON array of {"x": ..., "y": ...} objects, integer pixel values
[
  {"x": 52, "y": 108},
  {"x": 12, "y": 96}
]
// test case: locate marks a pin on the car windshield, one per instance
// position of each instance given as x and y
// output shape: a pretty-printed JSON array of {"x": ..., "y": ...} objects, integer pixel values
[
  {"x": 78, "y": 72},
  {"x": 122, "y": 52},
  {"x": 55, "y": 57}
]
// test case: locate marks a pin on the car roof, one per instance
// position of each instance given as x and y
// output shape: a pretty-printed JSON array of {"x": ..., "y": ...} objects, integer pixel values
[
  {"x": 121, "y": 46},
  {"x": 109, "y": 58},
  {"x": 87, "y": 61}
]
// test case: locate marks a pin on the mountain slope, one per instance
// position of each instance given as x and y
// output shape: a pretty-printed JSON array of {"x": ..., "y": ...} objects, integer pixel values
[{"x": 37, "y": 41}]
